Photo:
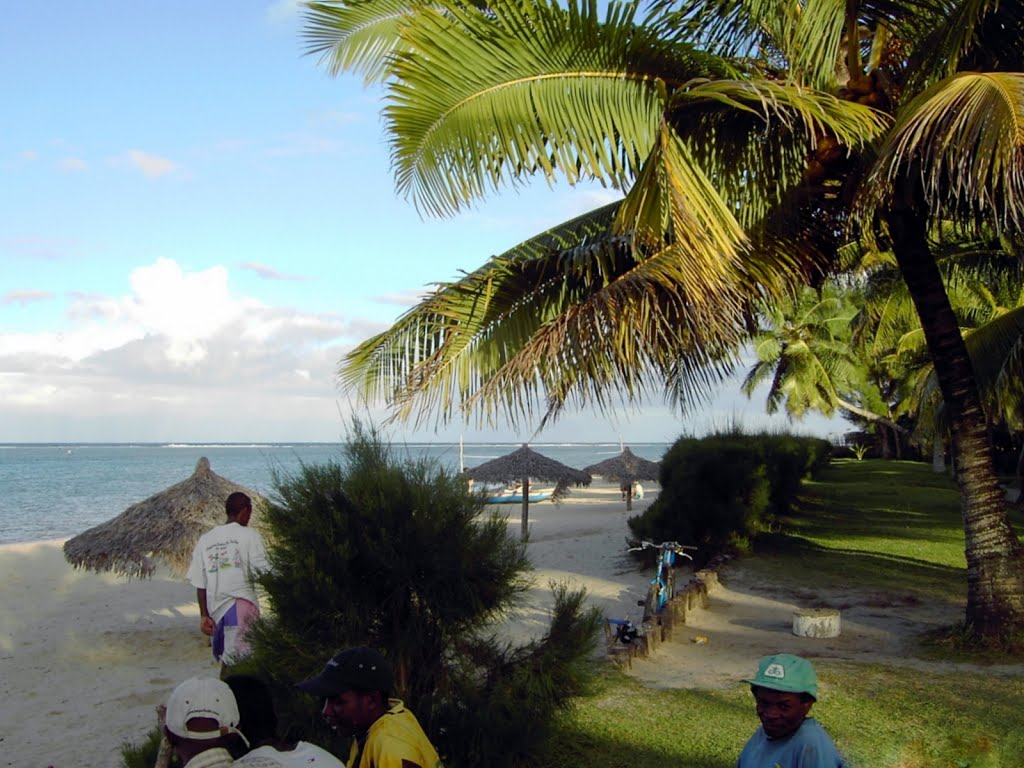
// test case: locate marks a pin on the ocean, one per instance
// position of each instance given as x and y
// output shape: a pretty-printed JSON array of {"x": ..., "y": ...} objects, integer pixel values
[{"x": 58, "y": 490}]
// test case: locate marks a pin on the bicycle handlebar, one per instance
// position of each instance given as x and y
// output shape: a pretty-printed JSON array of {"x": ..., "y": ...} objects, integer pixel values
[{"x": 665, "y": 545}]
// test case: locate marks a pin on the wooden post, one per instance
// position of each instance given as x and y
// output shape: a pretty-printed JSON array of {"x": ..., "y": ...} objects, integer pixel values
[
  {"x": 163, "y": 755},
  {"x": 526, "y": 508}
]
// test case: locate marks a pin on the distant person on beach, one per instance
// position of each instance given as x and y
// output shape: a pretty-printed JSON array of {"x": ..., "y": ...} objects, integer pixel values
[
  {"x": 224, "y": 564},
  {"x": 638, "y": 490},
  {"x": 785, "y": 688},
  {"x": 355, "y": 686},
  {"x": 626, "y": 490},
  {"x": 201, "y": 723},
  {"x": 258, "y": 723}
]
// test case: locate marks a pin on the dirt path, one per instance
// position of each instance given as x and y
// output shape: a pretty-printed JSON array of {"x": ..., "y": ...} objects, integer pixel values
[{"x": 745, "y": 620}]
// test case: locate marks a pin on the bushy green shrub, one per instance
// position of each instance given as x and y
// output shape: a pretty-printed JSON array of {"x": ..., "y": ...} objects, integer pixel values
[
  {"x": 789, "y": 460},
  {"x": 141, "y": 755},
  {"x": 720, "y": 491},
  {"x": 400, "y": 555}
]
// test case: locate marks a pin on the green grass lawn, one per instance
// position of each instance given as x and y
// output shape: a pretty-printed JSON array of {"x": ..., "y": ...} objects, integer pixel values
[{"x": 893, "y": 526}]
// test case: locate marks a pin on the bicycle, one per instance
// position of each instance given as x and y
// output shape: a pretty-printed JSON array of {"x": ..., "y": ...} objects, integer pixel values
[
  {"x": 626, "y": 639},
  {"x": 663, "y": 585}
]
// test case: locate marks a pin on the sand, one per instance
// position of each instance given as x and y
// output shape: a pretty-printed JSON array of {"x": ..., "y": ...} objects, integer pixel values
[{"x": 86, "y": 658}]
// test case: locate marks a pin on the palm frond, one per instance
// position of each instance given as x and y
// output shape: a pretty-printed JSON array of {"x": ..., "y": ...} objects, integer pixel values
[
  {"x": 673, "y": 203},
  {"x": 753, "y": 136},
  {"x": 964, "y": 139},
  {"x": 357, "y": 35},
  {"x": 809, "y": 40},
  {"x": 487, "y": 99},
  {"x": 968, "y": 34},
  {"x": 997, "y": 357},
  {"x": 994, "y": 346},
  {"x": 571, "y": 316}
]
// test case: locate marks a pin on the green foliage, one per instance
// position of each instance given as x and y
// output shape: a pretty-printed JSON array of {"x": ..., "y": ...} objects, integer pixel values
[
  {"x": 503, "y": 704},
  {"x": 879, "y": 716},
  {"x": 400, "y": 555},
  {"x": 504, "y": 92},
  {"x": 891, "y": 527},
  {"x": 859, "y": 450},
  {"x": 141, "y": 755},
  {"x": 719, "y": 491}
]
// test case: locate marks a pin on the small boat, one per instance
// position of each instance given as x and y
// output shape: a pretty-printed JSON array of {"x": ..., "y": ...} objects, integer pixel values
[{"x": 517, "y": 498}]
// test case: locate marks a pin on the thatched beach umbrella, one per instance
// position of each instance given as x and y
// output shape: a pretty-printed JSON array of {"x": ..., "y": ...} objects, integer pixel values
[
  {"x": 523, "y": 464},
  {"x": 166, "y": 526},
  {"x": 627, "y": 467}
]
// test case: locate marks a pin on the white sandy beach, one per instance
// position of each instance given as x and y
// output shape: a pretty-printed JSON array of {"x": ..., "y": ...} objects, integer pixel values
[{"x": 85, "y": 658}]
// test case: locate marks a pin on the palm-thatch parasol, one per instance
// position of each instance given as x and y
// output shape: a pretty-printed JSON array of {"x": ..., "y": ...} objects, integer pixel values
[
  {"x": 166, "y": 526},
  {"x": 627, "y": 467},
  {"x": 523, "y": 464}
]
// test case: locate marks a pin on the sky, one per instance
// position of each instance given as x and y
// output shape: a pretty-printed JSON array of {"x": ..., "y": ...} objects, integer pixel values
[{"x": 197, "y": 222}]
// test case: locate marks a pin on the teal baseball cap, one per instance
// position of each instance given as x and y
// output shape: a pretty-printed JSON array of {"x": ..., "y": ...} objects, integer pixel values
[{"x": 787, "y": 673}]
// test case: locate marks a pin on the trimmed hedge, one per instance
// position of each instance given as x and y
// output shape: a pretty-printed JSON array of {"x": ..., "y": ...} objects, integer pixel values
[{"x": 720, "y": 491}]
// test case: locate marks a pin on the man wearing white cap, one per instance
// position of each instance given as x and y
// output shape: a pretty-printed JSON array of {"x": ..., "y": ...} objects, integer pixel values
[
  {"x": 785, "y": 688},
  {"x": 201, "y": 723}
]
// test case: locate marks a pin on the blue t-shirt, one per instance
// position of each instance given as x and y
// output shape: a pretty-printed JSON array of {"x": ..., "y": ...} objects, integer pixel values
[{"x": 808, "y": 747}]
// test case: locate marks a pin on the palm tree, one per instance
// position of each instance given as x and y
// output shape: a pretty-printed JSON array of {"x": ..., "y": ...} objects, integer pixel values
[
  {"x": 805, "y": 352},
  {"x": 742, "y": 168},
  {"x": 646, "y": 292},
  {"x": 983, "y": 279}
]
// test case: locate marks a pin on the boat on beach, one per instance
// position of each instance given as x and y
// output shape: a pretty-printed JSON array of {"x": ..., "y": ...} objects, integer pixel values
[{"x": 517, "y": 497}]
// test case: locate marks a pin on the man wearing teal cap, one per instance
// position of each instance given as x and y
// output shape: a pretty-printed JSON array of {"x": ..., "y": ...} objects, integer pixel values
[{"x": 785, "y": 688}]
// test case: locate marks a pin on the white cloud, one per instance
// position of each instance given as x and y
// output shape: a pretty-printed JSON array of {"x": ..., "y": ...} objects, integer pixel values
[
  {"x": 24, "y": 297},
  {"x": 268, "y": 272},
  {"x": 283, "y": 11},
  {"x": 152, "y": 166},
  {"x": 303, "y": 143},
  {"x": 407, "y": 298},
  {"x": 180, "y": 357},
  {"x": 39, "y": 247},
  {"x": 337, "y": 117},
  {"x": 177, "y": 349},
  {"x": 73, "y": 165},
  {"x": 590, "y": 199}
]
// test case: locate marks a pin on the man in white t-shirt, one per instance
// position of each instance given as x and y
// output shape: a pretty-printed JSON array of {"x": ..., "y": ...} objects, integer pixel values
[
  {"x": 258, "y": 723},
  {"x": 224, "y": 565}
]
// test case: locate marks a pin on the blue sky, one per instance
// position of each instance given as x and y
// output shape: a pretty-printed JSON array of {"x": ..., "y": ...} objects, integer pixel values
[{"x": 197, "y": 222}]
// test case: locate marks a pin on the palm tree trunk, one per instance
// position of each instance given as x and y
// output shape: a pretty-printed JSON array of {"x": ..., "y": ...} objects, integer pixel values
[
  {"x": 938, "y": 455},
  {"x": 995, "y": 558},
  {"x": 886, "y": 439},
  {"x": 870, "y": 416}
]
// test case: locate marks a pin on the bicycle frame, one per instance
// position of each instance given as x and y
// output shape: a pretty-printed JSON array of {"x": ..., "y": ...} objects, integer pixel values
[{"x": 663, "y": 586}]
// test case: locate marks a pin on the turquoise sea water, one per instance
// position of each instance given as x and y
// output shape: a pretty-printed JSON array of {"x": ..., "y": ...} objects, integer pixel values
[{"x": 57, "y": 490}]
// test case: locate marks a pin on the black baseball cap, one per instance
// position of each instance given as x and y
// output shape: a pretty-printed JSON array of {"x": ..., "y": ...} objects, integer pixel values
[{"x": 353, "y": 669}]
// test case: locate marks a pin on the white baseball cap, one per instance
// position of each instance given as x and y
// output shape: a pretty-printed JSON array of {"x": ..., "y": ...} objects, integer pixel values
[{"x": 203, "y": 697}]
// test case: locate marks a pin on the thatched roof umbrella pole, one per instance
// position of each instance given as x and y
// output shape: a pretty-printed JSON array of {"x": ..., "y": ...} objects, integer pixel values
[
  {"x": 523, "y": 464},
  {"x": 627, "y": 467},
  {"x": 165, "y": 526}
]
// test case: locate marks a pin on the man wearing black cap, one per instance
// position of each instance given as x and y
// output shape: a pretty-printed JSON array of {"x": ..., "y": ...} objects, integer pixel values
[{"x": 355, "y": 685}]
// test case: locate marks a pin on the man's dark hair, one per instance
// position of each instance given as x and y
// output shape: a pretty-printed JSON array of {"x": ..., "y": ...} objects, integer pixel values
[
  {"x": 257, "y": 719},
  {"x": 237, "y": 503},
  {"x": 804, "y": 696}
]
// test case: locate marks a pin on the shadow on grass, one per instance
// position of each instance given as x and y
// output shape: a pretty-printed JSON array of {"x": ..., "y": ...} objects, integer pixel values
[
  {"x": 787, "y": 560},
  {"x": 624, "y": 723}
]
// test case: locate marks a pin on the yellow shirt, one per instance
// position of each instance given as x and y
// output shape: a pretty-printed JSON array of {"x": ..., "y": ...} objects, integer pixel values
[{"x": 395, "y": 736}]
